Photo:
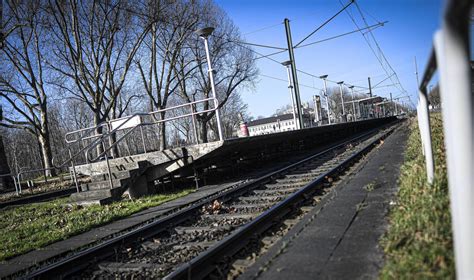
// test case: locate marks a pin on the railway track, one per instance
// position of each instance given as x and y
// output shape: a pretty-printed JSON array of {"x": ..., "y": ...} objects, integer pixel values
[
  {"x": 194, "y": 241},
  {"x": 40, "y": 197}
]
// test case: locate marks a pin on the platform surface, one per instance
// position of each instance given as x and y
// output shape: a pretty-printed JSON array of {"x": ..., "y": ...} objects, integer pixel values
[{"x": 339, "y": 238}]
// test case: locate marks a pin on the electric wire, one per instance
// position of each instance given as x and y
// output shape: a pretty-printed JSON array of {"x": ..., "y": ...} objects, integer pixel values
[
  {"x": 283, "y": 80},
  {"x": 323, "y": 24},
  {"x": 341, "y": 35},
  {"x": 382, "y": 55},
  {"x": 263, "y": 28},
  {"x": 378, "y": 46}
]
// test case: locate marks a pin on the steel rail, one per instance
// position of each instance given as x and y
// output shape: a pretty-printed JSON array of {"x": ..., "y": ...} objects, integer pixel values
[{"x": 77, "y": 262}]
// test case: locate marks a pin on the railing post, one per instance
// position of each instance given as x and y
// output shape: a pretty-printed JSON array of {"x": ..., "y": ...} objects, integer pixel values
[
  {"x": 19, "y": 183},
  {"x": 425, "y": 133},
  {"x": 455, "y": 72},
  {"x": 108, "y": 165},
  {"x": 14, "y": 182},
  {"x": 193, "y": 116},
  {"x": 74, "y": 177}
]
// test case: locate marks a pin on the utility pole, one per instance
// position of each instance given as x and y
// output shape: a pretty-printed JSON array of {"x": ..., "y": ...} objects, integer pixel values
[
  {"x": 287, "y": 64},
  {"x": 317, "y": 108},
  {"x": 370, "y": 88},
  {"x": 391, "y": 100},
  {"x": 324, "y": 77},
  {"x": 416, "y": 73},
  {"x": 294, "y": 73},
  {"x": 342, "y": 101},
  {"x": 353, "y": 103}
]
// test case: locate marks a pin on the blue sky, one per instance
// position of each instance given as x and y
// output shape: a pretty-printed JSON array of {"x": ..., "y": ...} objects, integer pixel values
[{"x": 408, "y": 33}]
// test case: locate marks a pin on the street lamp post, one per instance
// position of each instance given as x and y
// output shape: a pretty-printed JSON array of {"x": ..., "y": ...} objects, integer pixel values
[
  {"x": 324, "y": 77},
  {"x": 342, "y": 100},
  {"x": 287, "y": 64},
  {"x": 204, "y": 34},
  {"x": 353, "y": 103}
]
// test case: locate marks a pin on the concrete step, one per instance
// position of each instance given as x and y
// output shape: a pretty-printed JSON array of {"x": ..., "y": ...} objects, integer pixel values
[
  {"x": 103, "y": 185},
  {"x": 115, "y": 176},
  {"x": 114, "y": 193},
  {"x": 126, "y": 166}
]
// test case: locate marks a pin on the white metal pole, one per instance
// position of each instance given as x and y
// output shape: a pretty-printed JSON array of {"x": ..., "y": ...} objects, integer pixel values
[
  {"x": 452, "y": 57},
  {"x": 327, "y": 101},
  {"x": 213, "y": 88},
  {"x": 353, "y": 104},
  {"x": 290, "y": 87},
  {"x": 426, "y": 134},
  {"x": 342, "y": 101}
]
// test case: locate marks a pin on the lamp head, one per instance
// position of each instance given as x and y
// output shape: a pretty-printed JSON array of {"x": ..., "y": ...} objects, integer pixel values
[
  {"x": 340, "y": 83},
  {"x": 286, "y": 63},
  {"x": 351, "y": 87},
  {"x": 323, "y": 77},
  {"x": 204, "y": 32}
]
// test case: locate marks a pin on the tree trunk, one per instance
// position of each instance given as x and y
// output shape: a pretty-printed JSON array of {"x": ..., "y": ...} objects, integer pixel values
[
  {"x": 5, "y": 182},
  {"x": 114, "y": 151},
  {"x": 202, "y": 133},
  {"x": 162, "y": 126},
  {"x": 98, "y": 131},
  {"x": 45, "y": 144}
]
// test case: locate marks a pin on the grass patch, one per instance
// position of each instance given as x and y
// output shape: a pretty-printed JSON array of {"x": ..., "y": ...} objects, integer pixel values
[
  {"x": 33, "y": 226},
  {"x": 418, "y": 244}
]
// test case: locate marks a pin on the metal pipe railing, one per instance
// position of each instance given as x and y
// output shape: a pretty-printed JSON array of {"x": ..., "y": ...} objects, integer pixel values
[
  {"x": 128, "y": 118},
  {"x": 450, "y": 56}
]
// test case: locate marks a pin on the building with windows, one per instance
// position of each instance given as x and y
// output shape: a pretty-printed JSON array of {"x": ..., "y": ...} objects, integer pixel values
[{"x": 275, "y": 124}]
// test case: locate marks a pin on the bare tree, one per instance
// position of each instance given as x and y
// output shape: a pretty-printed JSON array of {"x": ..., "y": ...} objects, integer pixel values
[
  {"x": 234, "y": 64},
  {"x": 96, "y": 42},
  {"x": 24, "y": 75},
  {"x": 233, "y": 112},
  {"x": 434, "y": 97},
  {"x": 161, "y": 52}
]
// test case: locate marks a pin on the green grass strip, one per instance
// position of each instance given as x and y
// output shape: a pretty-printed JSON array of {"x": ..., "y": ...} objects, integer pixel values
[
  {"x": 418, "y": 244},
  {"x": 33, "y": 226}
]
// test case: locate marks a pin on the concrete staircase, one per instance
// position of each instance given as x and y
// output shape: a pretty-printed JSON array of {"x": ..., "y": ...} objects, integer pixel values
[
  {"x": 135, "y": 174},
  {"x": 99, "y": 191}
]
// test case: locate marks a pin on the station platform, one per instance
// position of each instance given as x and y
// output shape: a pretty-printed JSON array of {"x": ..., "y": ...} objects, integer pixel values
[{"x": 339, "y": 238}]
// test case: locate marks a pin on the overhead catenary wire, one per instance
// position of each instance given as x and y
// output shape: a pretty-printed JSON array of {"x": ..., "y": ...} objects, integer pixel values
[
  {"x": 343, "y": 34},
  {"x": 285, "y": 80},
  {"x": 323, "y": 24},
  {"x": 263, "y": 28},
  {"x": 322, "y": 40},
  {"x": 382, "y": 57},
  {"x": 377, "y": 44}
]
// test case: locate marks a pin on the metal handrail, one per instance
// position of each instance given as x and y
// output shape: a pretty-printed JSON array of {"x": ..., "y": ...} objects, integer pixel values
[
  {"x": 128, "y": 118},
  {"x": 88, "y": 129},
  {"x": 450, "y": 56}
]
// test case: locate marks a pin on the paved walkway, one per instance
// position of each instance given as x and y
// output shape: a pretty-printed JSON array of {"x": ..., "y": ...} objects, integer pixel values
[{"x": 339, "y": 238}]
